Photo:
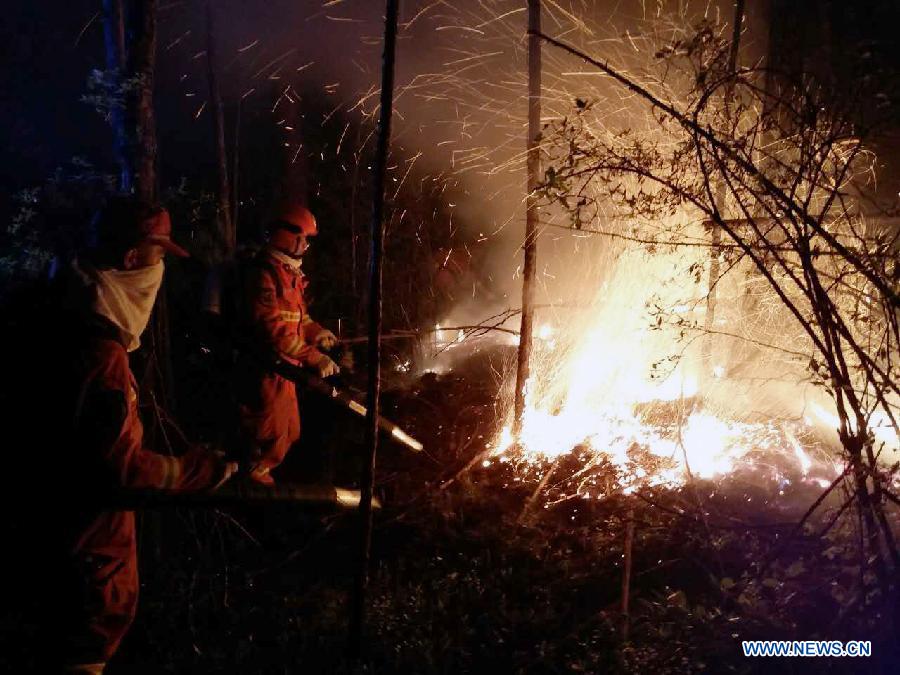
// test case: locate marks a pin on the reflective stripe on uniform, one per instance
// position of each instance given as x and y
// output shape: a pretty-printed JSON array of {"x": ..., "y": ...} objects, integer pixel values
[
  {"x": 294, "y": 345},
  {"x": 173, "y": 473},
  {"x": 84, "y": 669}
]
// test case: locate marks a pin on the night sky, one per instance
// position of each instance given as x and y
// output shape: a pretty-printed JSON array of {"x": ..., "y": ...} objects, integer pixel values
[{"x": 460, "y": 78}]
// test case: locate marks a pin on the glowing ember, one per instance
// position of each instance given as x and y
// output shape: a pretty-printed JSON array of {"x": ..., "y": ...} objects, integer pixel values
[{"x": 711, "y": 445}]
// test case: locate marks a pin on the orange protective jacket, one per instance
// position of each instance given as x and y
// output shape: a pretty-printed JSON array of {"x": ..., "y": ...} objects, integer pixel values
[
  {"x": 279, "y": 325},
  {"x": 99, "y": 587}
]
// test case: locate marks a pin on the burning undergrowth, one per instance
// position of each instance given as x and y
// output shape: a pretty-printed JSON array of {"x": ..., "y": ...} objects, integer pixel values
[
  {"x": 620, "y": 399},
  {"x": 540, "y": 540}
]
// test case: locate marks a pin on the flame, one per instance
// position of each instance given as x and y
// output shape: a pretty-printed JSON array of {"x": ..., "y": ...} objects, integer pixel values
[
  {"x": 597, "y": 385},
  {"x": 879, "y": 425},
  {"x": 802, "y": 456},
  {"x": 708, "y": 446}
]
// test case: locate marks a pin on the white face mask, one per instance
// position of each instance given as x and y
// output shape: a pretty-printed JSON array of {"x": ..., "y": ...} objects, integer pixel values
[
  {"x": 126, "y": 298},
  {"x": 290, "y": 261}
]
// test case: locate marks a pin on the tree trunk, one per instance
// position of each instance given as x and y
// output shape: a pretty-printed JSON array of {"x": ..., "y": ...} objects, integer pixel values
[
  {"x": 531, "y": 214},
  {"x": 159, "y": 382},
  {"x": 235, "y": 168},
  {"x": 142, "y": 62},
  {"x": 114, "y": 42},
  {"x": 626, "y": 575},
  {"x": 358, "y": 608},
  {"x": 227, "y": 239},
  {"x": 867, "y": 508},
  {"x": 143, "y": 66}
]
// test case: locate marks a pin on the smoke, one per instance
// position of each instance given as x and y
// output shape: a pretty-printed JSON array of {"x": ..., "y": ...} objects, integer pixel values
[
  {"x": 461, "y": 91},
  {"x": 460, "y": 121}
]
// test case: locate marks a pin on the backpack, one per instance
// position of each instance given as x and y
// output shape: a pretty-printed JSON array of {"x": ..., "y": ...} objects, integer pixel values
[
  {"x": 224, "y": 301},
  {"x": 224, "y": 353}
]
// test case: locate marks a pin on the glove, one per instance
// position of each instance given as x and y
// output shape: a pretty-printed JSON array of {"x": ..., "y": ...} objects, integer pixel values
[
  {"x": 326, "y": 340},
  {"x": 228, "y": 470},
  {"x": 224, "y": 468},
  {"x": 326, "y": 367}
]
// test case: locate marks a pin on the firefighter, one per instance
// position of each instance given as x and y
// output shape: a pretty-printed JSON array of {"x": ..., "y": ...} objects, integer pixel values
[
  {"x": 111, "y": 291},
  {"x": 279, "y": 326}
]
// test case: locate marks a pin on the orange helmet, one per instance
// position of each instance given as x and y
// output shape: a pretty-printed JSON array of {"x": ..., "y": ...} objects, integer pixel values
[
  {"x": 299, "y": 216},
  {"x": 292, "y": 222}
]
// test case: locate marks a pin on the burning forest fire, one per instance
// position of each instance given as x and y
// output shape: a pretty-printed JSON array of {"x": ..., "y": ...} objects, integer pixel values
[
  {"x": 598, "y": 390},
  {"x": 612, "y": 384},
  {"x": 615, "y": 386},
  {"x": 591, "y": 309}
]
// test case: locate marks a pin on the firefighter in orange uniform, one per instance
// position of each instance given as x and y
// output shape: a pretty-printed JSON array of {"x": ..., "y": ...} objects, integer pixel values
[
  {"x": 279, "y": 326},
  {"x": 111, "y": 293}
]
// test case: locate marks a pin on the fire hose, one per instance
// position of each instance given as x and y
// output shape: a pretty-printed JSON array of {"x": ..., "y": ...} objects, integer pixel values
[
  {"x": 345, "y": 399},
  {"x": 234, "y": 492}
]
